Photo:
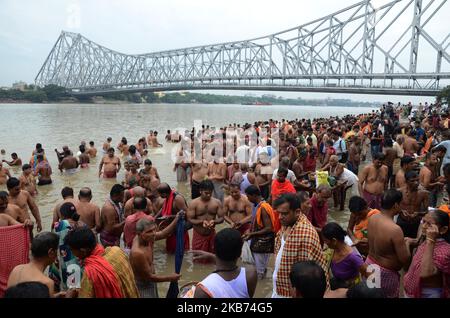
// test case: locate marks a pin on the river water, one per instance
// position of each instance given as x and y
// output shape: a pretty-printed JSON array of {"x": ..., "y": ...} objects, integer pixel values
[{"x": 55, "y": 125}]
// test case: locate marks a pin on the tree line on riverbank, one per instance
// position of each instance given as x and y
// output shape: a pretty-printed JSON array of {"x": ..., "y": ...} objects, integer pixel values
[{"x": 54, "y": 93}]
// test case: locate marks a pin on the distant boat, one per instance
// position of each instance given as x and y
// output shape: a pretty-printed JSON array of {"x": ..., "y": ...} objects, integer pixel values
[{"x": 257, "y": 104}]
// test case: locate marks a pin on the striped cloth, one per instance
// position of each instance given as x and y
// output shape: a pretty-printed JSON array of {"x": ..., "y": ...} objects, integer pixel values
[
  {"x": 389, "y": 279},
  {"x": 302, "y": 244},
  {"x": 14, "y": 250}
]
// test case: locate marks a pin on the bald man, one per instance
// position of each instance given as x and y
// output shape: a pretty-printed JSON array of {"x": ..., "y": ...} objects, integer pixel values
[
  {"x": 137, "y": 192},
  {"x": 88, "y": 211}
]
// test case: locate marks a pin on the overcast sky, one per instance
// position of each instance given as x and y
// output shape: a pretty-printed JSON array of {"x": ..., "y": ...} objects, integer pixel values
[{"x": 29, "y": 29}]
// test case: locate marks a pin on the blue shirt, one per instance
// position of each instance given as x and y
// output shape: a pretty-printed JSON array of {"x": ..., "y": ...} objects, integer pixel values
[
  {"x": 446, "y": 158},
  {"x": 340, "y": 147},
  {"x": 419, "y": 133}
]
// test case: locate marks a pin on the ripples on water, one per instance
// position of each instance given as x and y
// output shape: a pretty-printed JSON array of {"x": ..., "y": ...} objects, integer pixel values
[{"x": 55, "y": 125}]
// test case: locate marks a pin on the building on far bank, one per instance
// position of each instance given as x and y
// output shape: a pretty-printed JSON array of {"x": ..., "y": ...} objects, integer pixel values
[{"x": 19, "y": 85}]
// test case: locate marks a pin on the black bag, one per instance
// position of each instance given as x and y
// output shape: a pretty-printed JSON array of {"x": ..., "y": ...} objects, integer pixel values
[{"x": 263, "y": 244}]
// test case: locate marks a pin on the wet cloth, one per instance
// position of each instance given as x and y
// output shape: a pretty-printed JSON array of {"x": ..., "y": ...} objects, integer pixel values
[
  {"x": 14, "y": 250},
  {"x": 179, "y": 254},
  {"x": 441, "y": 260},
  {"x": 203, "y": 243},
  {"x": 99, "y": 278},
  {"x": 147, "y": 289},
  {"x": 171, "y": 241},
  {"x": 390, "y": 279},
  {"x": 373, "y": 200}
]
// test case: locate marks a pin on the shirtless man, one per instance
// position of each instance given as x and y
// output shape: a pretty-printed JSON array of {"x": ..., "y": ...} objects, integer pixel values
[
  {"x": 172, "y": 204},
  {"x": 204, "y": 213},
  {"x": 199, "y": 173},
  {"x": 84, "y": 157},
  {"x": 406, "y": 164},
  {"x": 68, "y": 196},
  {"x": 410, "y": 145},
  {"x": 123, "y": 147},
  {"x": 43, "y": 171},
  {"x": 137, "y": 192},
  {"x": 237, "y": 210},
  {"x": 61, "y": 155},
  {"x": 263, "y": 172},
  {"x": 24, "y": 201},
  {"x": 391, "y": 156},
  {"x": 44, "y": 249},
  {"x": 217, "y": 172},
  {"x": 88, "y": 211},
  {"x": 92, "y": 151},
  {"x": 112, "y": 217},
  {"x": 388, "y": 249},
  {"x": 69, "y": 163},
  {"x": 27, "y": 180},
  {"x": 414, "y": 205},
  {"x": 13, "y": 211},
  {"x": 154, "y": 140},
  {"x": 354, "y": 154},
  {"x": 4, "y": 174},
  {"x": 106, "y": 145},
  {"x": 15, "y": 162},
  {"x": 141, "y": 257},
  {"x": 111, "y": 163},
  {"x": 147, "y": 174},
  {"x": 430, "y": 180},
  {"x": 373, "y": 181}
]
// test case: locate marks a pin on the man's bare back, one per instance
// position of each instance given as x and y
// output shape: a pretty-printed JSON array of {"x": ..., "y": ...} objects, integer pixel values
[
  {"x": 89, "y": 213},
  {"x": 384, "y": 238}
]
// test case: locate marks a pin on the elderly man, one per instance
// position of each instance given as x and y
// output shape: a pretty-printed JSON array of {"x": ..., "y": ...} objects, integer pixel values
[
  {"x": 346, "y": 180},
  {"x": 318, "y": 213}
]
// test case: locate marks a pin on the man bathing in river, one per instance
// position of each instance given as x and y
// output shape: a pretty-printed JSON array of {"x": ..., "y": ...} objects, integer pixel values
[
  {"x": 109, "y": 166},
  {"x": 237, "y": 210},
  {"x": 205, "y": 213}
]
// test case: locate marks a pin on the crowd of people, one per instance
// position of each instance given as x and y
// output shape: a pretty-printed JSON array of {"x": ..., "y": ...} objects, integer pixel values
[{"x": 268, "y": 187}]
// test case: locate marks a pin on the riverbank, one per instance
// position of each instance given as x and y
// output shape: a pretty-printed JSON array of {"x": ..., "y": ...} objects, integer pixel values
[{"x": 54, "y": 94}]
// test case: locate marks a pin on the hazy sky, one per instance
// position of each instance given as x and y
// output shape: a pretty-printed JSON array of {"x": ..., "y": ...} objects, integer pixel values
[{"x": 29, "y": 29}]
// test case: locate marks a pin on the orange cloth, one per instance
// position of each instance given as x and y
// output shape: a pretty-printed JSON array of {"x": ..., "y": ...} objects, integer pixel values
[
  {"x": 362, "y": 226},
  {"x": 102, "y": 275},
  {"x": 274, "y": 218},
  {"x": 445, "y": 208},
  {"x": 279, "y": 188},
  {"x": 427, "y": 146}
]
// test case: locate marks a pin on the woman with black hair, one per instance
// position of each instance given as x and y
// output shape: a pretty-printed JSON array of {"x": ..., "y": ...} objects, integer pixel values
[
  {"x": 429, "y": 273},
  {"x": 70, "y": 220},
  {"x": 346, "y": 264}
]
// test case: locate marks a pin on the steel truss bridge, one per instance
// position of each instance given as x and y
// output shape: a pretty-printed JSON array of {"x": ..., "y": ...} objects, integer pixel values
[{"x": 389, "y": 49}]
